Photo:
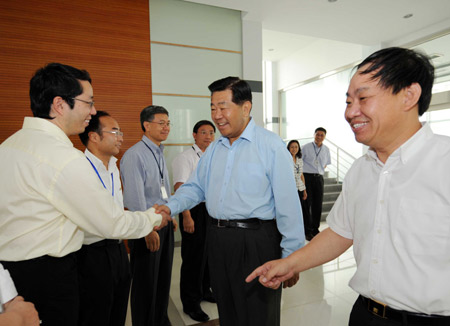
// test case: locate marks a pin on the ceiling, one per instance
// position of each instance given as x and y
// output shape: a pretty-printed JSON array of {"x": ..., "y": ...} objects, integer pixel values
[{"x": 289, "y": 25}]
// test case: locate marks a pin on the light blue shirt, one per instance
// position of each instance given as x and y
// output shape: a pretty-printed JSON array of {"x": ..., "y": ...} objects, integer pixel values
[
  {"x": 253, "y": 178},
  {"x": 311, "y": 154},
  {"x": 141, "y": 178}
]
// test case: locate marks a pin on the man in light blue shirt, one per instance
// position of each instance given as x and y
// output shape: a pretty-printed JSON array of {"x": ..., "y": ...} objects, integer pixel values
[
  {"x": 316, "y": 157},
  {"x": 146, "y": 183},
  {"x": 247, "y": 180}
]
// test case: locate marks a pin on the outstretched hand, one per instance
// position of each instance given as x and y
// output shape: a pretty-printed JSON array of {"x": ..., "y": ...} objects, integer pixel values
[
  {"x": 165, "y": 213},
  {"x": 272, "y": 273}
]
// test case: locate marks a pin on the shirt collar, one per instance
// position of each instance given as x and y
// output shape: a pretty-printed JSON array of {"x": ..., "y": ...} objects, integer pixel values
[
  {"x": 152, "y": 145},
  {"x": 98, "y": 162},
  {"x": 47, "y": 126},
  {"x": 197, "y": 149},
  {"x": 248, "y": 134},
  {"x": 411, "y": 146}
]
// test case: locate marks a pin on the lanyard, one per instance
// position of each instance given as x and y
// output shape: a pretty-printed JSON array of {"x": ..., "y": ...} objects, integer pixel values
[
  {"x": 317, "y": 153},
  {"x": 98, "y": 174},
  {"x": 159, "y": 166},
  {"x": 196, "y": 152}
]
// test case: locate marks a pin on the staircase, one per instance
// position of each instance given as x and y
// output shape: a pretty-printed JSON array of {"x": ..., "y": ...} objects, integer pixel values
[{"x": 332, "y": 189}]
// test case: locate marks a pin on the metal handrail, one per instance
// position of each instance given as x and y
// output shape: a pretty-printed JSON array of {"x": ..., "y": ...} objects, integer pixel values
[{"x": 341, "y": 160}]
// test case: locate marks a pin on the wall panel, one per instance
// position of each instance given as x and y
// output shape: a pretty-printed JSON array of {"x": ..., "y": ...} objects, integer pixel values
[{"x": 109, "y": 38}]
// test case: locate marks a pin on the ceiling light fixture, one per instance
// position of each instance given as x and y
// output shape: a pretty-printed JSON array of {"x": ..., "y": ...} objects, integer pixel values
[
  {"x": 332, "y": 0},
  {"x": 408, "y": 16},
  {"x": 270, "y": 50}
]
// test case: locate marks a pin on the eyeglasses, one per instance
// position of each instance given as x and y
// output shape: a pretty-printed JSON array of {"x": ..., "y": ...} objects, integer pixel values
[
  {"x": 114, "y": 132},
  {"x": 162, "y": 124},
  {"x": 91, "y": 103},
  {"x": 203, "y": 132}
]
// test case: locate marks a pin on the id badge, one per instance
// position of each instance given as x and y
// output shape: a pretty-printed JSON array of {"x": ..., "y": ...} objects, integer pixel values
[
  {"x": 316, "y": 162},
  {"x": 164, "y": 192}
]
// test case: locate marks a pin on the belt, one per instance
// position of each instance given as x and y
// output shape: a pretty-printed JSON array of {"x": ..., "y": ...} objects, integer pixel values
[
  {"x": 383, "y": 311},
  {"x": 313, "y": 174},
  {"x": 105, "y": 242},
  {"x": 250, "y": 223}
]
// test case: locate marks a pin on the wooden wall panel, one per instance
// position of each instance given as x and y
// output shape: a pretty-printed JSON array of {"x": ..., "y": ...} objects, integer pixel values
[{"x": 108, "y": 38}]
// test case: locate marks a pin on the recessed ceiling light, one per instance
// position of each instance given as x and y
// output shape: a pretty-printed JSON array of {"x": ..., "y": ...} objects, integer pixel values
[
  {"x": 332, "y": 0},
  {"x": 271, "y": 50},
  {"x": 408, "y": 16}
]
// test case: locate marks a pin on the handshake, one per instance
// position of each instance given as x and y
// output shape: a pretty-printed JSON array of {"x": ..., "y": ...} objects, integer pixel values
[{"x": 164, "y": 211}]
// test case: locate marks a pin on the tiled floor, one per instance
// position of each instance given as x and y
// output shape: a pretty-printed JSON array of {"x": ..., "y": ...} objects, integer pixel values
[{"x": 321, "y": 298}]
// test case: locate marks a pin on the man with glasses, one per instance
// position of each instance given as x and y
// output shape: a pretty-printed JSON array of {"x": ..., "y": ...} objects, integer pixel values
[
  {"x": 50, "y": 194},
  {"x": 146, "y": 182},
  {"x": 103, "y": 266},
  {"x": 194, "y": 275}
]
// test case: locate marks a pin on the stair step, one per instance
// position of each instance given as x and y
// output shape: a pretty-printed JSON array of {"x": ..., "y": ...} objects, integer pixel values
[{"x": 337, "y": 187}]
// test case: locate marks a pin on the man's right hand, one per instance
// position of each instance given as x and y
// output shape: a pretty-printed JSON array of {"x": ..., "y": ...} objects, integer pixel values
[
  {"x": 165, "y": 213},
  {"x": 22, "y": 311},
  {"x": 152, "y": 241}
]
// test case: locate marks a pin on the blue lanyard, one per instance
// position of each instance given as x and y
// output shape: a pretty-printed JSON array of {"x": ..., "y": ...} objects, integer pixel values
[
  {"x": 161, "y": 171},
  {"x": 98, "y": 174}
]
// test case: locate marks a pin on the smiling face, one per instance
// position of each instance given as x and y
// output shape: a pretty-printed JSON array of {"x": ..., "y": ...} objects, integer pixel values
[
  {"x": 293, "y": 148},
  {"x": 378, "y": 118},
  {"x": 77, "y": 118},
  {"x": 158, "y": 130},
  {"x": 109, "y": 144},
  {"x": 229, "y": 117}
]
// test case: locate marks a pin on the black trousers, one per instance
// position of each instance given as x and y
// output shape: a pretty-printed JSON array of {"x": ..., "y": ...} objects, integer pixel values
[
  {"x": 233, "y": 253},
  {"x": 151, "y": 273},
  {"x": 194, "y": 278},
  {"x": 314, "y": 188},
  {"x": 305, "y": 211},
  {"x": 51, "y": 284},
  {"x": 104, "y": 279}
]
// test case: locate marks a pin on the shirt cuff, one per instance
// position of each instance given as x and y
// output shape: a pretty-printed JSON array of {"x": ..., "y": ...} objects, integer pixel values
[{"x": 8, "y": 290}]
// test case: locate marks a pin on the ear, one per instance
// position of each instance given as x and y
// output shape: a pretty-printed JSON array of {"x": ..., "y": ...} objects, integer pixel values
[
  {"x": 247, "y": 106},
  {"x": 94, "y": 137},
  {"x": 146, "y": 125},
  {"x": 412, "y": 95},
  {"x": 57, "y": 107}
]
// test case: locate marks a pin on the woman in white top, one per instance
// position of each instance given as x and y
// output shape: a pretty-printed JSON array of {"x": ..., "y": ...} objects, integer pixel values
[{"x": 296, "y": 152}]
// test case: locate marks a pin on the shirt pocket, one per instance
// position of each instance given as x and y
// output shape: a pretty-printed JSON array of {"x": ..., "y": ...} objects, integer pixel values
[{"x": 422, "y": 228}]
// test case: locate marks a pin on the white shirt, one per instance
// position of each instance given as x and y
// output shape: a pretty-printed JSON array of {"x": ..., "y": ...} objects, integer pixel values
[
  {"x": 398, "y": 215},
  {"x": 110, "y": 178},
  {"x": 185, "y": 163},
  {"x": 7, "y": 288},
  {"x": 298, "y": 170},
  {"x": 50, "y": 194}
]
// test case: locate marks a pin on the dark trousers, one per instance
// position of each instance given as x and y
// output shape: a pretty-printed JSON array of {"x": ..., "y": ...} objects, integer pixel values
[
  {"x": 305, "y": 211},
  {"x": 314, "y": 188},
  {"x": 233, "y": 253},
  {"x": 104, "y": 279},
  {"x": 194, "y": 278},
  {"x": 51, "y": 284},
  {"x": 360, "y": 315},
  {"x": 151, "y": 273}
]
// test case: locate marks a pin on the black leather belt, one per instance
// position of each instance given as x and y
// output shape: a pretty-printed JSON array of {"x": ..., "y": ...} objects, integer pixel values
[
  {"x": 313, "y": 174},
  {"x": 249, "y": 223},
  {"x": 383, "y": 311}
]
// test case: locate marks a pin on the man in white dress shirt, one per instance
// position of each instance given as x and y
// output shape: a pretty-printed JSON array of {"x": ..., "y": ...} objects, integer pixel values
[
  {"x": 194, "y": 275},
  {"x": 50, "y": 194},
  {"x": 395, "y": 204},
  {"x": 103, "y": 266}
]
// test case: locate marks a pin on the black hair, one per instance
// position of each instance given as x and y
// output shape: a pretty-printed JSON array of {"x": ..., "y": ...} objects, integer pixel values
[
  {"x": 320, "y": 129},
  {"x": 94, "y": 125},
  {"x": 148, "y": 113},
  {"x": 299, "y": 153},
  {"x": 398, "y": 68},
  {"x": 202, "y": 123},
  {"x": 239, "y": 88},
  {"x": 55, "y": 79}
]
